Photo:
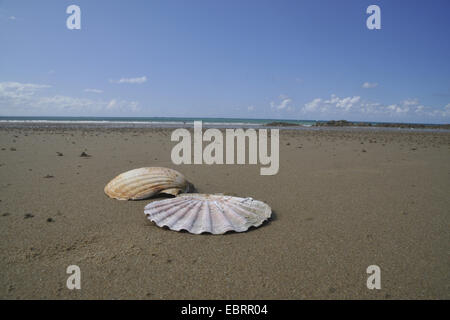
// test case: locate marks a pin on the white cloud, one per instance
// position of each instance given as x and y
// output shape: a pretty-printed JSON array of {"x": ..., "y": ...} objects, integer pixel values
[
  {"x": 251, "y": 108},
  {"x": 369, "y": 85},
  {"x": 347, "y": 103},
  {"x": 410, "y": 102},
  {"x": 313, "y": 105},
  {"x": 24, "y": 99},
  {"x": 112, "y": 104},
  {"x": 333, "y": 104},
  {"x": 355, "y": 108},
  {"x": 137, "y": 80},
  {"x": 284, "y": 104},
  {"x": 420, "y": 109},
  {"x": 16, "y": 90},
  {"x": 428, "y": 111},
  {"x": 398, "y": 108},
  {"x": 12, "y": 18},
  {"x": 93, "y": 90},
  {"x": 446, "y": 111},
  {"x": 369, "y": 107}
]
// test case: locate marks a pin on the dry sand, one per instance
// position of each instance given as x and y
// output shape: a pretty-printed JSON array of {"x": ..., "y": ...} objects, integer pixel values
[{"x": 337, "y": 210}]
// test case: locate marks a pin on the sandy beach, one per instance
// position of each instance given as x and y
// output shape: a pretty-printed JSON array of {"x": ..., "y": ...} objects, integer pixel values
[{"x": 342, "y": 200}]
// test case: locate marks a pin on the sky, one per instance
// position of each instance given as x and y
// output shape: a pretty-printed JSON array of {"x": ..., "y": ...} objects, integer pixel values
[{"x": 309, "y": 60}]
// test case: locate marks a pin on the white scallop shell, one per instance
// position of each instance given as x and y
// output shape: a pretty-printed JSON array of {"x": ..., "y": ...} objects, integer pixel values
[
  {"x": 143, "y": 183},
  {"x": 216, "y": 214}
]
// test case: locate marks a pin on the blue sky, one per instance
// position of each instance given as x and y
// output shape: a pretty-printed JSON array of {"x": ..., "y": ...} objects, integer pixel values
[{"x": 248, "y": 58}]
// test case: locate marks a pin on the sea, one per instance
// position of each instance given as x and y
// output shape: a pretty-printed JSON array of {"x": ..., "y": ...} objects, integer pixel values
[
  {"x": 174, "y": 122},
  {"x": 144, "y": 122}
]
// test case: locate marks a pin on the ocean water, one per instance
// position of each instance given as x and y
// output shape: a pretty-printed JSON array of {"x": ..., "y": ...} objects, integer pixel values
[
  {"x": 146, "y": 121},
  {"x": 160, "y": 122}
]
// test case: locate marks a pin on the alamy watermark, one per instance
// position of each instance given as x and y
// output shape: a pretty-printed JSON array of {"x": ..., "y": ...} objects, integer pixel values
[
  {"x": 74, "y": 280},
  {"x": 73, "y": 22},
  {"x": 213, "y": 153},
  {"x": 374, "y": 20},
  {"x": 374, "y": 280}
]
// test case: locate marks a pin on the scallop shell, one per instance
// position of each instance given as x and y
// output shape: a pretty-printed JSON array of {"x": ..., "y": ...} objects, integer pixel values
[
  {"x": 145, "y": 182},
  {"x": 216, "y": 214}
]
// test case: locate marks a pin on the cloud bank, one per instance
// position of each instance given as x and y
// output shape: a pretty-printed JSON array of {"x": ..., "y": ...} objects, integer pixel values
[
  {"x": 369, "y": 85},
  {"x": 23, "y": 99},
  {"x": 355, "y": 108},
  {"x": 138, "y": 80},
  {"x": 283, "y": 104},
  {"x": 93, "y": 90}
]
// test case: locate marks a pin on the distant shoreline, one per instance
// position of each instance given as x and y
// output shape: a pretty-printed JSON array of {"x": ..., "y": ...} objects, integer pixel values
[
  {"x": 344, "y": 123},
  {"x": 221, "y": 123}
]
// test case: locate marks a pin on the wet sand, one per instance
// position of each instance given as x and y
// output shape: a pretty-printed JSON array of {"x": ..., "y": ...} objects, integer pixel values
[{"x": 342, "y": 200}]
